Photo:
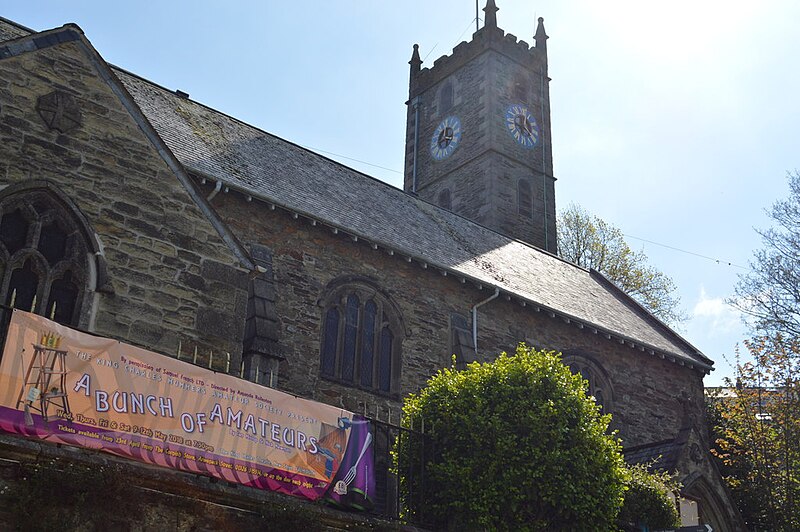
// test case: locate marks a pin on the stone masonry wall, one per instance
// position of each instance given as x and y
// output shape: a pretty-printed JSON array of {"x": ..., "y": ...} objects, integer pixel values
[
  {"x": 173, "y": 278},
  {"x": 306, "y": 258},
  {"x": 485, "y": 191},
  {"x": 470, "y": 106}
]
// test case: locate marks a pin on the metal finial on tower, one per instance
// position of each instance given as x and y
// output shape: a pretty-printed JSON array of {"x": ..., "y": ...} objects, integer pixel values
[
  {"x": 541, "y": 37},
  {"x": 490, "y": 20},
  {"x": 415, "y": 62}
]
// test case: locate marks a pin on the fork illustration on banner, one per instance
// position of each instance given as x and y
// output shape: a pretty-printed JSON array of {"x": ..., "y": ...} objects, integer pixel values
[{"x": 342, "y": 485}]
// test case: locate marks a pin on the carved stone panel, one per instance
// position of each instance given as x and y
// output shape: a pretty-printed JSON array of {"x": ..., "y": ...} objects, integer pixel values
[{"x": 59, "y": 111}]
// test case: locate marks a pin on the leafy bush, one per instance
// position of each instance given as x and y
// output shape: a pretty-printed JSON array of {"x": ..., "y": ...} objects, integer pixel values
[{"x": 517, "y": 445}]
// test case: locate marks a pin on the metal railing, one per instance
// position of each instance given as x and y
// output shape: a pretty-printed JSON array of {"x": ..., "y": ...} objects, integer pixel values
[{"x": 400, "y": 480}]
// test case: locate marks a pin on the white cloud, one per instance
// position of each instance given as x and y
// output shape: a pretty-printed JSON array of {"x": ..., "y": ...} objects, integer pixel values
[{"x": 715, "y": 314}]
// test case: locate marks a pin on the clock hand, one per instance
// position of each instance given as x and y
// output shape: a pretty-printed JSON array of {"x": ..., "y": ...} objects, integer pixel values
[
  {"x": 522, "y": 122},
  {"x": 445, "y": 137},
  {"x": 442, "y": 140}
]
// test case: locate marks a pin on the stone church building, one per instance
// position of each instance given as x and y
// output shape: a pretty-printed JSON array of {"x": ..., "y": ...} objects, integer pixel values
[{"x": 130, "y": 211}]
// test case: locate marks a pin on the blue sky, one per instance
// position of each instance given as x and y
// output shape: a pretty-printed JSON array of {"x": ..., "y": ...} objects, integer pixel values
[{"x": 675, "y": 121}]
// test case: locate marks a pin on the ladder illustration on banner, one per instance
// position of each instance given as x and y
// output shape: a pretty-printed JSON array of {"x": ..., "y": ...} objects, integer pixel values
[{"x": 45, "y": 383}]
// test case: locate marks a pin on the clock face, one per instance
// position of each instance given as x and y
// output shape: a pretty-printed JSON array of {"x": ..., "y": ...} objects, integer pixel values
[
  {"x": 522, "y": 125},
  {"x": 446, "y": 138}
]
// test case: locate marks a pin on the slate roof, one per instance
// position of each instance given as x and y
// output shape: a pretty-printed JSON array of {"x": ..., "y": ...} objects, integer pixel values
[
  {"x": 11, "y": 30},
  {"x": 264, "y": 166}
]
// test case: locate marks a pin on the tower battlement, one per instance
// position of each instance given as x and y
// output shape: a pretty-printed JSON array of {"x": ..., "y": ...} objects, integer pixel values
[{"x": 532, "y": 57}]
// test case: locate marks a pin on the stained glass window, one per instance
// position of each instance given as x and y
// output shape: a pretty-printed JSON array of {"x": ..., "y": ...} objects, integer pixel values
[
  {"x": 362, "y": 349},
  {"x": 350, "y": 335},
  {"x": 43, "y": 260},
  {"x": 368, "y": 343},
  {"x": 599, "y": 385},
  {"x": 329, "y": 345}
]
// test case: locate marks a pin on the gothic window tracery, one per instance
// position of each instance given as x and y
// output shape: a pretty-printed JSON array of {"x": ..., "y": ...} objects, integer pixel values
[
  {"x": 44, "y": 260},
  {"x": 361, "y": 338},
  {"x": 599, "y": 385}
]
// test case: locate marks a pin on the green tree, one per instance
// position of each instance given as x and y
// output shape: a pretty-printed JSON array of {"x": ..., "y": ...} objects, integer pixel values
[
  {"x": 591, "y": 242},
  {"x": 770, "y": 292},
  {"x": 517, "y": 446},
  {"x": 756, "y": 430}
]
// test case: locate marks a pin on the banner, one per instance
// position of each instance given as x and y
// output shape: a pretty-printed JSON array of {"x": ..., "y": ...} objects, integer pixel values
[{"x": 64, "y": 386}]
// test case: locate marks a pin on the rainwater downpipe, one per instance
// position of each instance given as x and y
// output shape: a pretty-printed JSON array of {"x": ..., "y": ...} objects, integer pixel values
[
  {"x": 415, "y": 103},
  {"x": 214, "y": 192},
  {"x": 475, "y": 318}
]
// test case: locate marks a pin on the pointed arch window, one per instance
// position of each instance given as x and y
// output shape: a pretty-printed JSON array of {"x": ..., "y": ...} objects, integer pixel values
[
  {"x": 23, "y": 286},
  {"x": 360, "y": 340},
  {"x": 46, "y": 265},
  {"x": 599, "y": 385}
]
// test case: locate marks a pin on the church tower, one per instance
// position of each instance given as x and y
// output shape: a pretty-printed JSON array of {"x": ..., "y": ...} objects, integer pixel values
[{"x": 478, "y": 133}]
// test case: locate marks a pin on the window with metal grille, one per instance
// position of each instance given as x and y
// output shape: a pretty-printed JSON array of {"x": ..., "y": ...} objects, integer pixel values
[
  {"x": 360, "y": 340},
  {"x": 43, "y": 258}
]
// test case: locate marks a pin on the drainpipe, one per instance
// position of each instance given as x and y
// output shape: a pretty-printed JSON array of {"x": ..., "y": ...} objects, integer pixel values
[
  {"x": 415, "y": 103},
  {"x": 475, "y": 318},
  {"x": 214, "y": 192}
]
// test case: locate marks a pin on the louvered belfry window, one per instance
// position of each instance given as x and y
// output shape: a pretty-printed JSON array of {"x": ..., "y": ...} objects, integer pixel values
[
  {"x": 446, "y": 97},
  {"x": 43, "y": 258},
  {"x": 360, "y": 338}
]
